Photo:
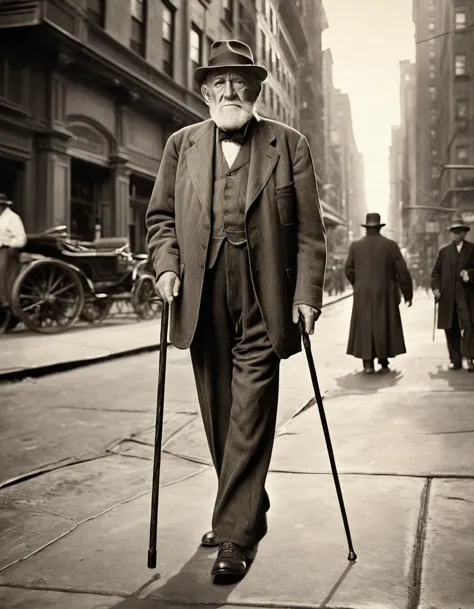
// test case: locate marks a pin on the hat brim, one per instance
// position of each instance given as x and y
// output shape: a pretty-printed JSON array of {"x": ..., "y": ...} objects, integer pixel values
[
  {"x": 378, "y": 225},
  {"x": 466, "y": 229},
  {"x": 201, "y": 73}
]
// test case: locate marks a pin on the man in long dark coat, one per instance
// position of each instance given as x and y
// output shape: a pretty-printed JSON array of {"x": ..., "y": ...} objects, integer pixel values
[
  {"x": 452, "y": 282},
  {"x": 377, "y": 271},
  {"x": 238, "y": 245}
]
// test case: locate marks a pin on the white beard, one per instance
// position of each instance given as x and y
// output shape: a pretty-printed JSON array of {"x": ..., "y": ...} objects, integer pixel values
[{"x": 231, "y": 118}]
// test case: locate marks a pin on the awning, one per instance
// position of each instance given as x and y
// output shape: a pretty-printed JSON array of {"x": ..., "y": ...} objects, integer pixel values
[{"x": 331, "y": 216}]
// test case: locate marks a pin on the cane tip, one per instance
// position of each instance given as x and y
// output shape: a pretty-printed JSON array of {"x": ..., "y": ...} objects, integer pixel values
[
  {"x": 152, "y": 559},
  {"x": 352, "y": 556}
]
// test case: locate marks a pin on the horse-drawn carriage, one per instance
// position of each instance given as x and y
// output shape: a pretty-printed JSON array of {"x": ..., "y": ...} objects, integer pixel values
[{"x": 62, "y": 280}]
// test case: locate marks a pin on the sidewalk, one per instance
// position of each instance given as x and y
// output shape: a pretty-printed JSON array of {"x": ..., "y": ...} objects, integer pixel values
[
  {"x": 403, "y": 446},
  {"x": 25, "y": 354}
]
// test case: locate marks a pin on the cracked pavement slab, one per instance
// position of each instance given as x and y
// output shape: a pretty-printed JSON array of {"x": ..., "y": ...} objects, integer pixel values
[{"x": 305, "y": 538}]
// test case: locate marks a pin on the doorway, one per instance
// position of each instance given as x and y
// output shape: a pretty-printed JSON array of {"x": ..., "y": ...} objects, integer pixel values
[
  {"x": 140, "y": 193},
  {"x": 88, "y": 182},
  {"x": 11, "y": 183}
]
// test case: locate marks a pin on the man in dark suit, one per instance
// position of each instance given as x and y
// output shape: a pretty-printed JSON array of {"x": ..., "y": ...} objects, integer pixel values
[
  {"x": 377, "y": 270},
  {"x": 238, "y": 244},
  {"x": 452, "y": 282}
]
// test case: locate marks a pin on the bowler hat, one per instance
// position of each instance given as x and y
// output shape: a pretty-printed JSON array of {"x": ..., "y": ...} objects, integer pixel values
[
  {"x": 372, "y": 220},
  {"x": 459, "y": 224},
  {"x": 4, "y": 200},
  {"x": 230, "y": 54}
]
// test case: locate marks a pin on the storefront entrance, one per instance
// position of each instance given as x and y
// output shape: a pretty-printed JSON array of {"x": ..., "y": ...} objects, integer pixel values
[
  {"x": 11, "y": 183},
  {"x": 140, "y": 193},
  {"x": 88, "y": 186}
]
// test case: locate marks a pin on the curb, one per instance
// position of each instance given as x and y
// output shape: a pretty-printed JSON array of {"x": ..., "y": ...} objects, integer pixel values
[{"x": 57, "y": 367}]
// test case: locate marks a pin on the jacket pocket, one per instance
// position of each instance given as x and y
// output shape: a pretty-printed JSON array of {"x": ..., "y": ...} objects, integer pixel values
[{"x": 285, "y": 198}]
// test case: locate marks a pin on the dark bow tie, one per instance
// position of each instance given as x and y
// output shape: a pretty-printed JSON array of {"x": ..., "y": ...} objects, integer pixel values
[{"x": 235, "y": 136}]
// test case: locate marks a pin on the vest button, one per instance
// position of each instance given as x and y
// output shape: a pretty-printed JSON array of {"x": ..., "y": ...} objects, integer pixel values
[
  {"x": 206, "y": 226},
  {"x": 226, "y": 213},
  {"x": 230, "y": 174},
  {"x": 227, "y": 197},
  {"x": 203, "y": 245}
]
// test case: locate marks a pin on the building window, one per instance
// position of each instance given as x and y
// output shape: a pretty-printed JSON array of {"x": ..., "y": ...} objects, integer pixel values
[
  {"x": 462, "y": 107},
  {"x": 432, "y": 72},
  {"x": 195, "y": 48},
  {"x": 431, "y": 25},
  {"x": 138, "y": 10},
  {"x": 96, "y": 12},
  {"x": 432, "y": 94},
  {"x": 228, "y": 12},
  {"x": 271, "y": 98},
  {"x": 168, "y": 38},
  {"x": 460, "y": 19},
  {"x": 263, "y": 48},
  {"x": 462, "y": 154},
  {"x": 460, "y": 64}
]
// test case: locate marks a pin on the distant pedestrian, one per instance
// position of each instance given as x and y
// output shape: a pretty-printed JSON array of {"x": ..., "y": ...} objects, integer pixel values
[
  {"x": 12, "y": 237},
  {"x": 378, "y": 272},
  {"x": 452, "y": 282}
]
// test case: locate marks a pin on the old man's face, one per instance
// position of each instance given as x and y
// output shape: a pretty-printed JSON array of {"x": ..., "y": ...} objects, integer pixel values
[{"x": 231, "y": 96}]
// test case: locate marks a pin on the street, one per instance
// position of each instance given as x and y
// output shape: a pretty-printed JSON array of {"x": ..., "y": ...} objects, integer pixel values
[{"x": 76, "y": 450}]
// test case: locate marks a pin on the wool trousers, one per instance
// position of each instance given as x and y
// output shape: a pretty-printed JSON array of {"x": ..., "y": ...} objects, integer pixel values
[
  {"x": 460, "y": 342},
  {"x": 237, "y": 378}
]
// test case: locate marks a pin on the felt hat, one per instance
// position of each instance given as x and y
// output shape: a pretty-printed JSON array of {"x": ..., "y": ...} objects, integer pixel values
[
  {"x": 372, "y": 220},
  {"x": 230, "y": 54}
]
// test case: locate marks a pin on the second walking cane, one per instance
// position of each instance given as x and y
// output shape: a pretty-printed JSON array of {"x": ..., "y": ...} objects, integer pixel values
[
  {"x": 319, "y": 400},
  {"x": 160, "y": 398}
]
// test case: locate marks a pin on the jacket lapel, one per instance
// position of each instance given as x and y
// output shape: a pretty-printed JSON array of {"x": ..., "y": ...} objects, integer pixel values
[
  {"x": 263, "y": 158},
  {"x": 200, "y": 157},
  {"x": 464, "y": 255}
]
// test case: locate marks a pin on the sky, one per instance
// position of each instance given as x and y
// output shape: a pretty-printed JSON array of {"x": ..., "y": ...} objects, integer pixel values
[{"x": 368, "y": 39}]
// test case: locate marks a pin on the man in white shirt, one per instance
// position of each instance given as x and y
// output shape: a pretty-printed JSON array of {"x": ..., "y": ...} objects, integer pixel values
[
  {"x": 452, "y": 282},
  {"x": 12, "y": 238}
]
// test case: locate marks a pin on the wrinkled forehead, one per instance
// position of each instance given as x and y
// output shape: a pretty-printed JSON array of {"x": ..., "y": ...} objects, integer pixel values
[{"x": 231, "y": 74}]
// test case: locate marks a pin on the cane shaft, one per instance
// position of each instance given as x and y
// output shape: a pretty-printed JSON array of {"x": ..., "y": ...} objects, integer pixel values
[
  {"x": 160, "y": 397},
  {"x": 434, "y": 319},
  {"x": 327, "y": 437}
]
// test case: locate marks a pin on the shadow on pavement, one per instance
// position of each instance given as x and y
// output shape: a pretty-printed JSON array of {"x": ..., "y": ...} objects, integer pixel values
[
  {"x": 191, "y": 578},
  {"x": 459, "y": 380},
  {"x": 365, "y": 383}
]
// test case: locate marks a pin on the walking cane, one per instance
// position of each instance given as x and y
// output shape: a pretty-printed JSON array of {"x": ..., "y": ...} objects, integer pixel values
[
  {"x": 160, "y": 397},
  {"x": 434, "y": 319},
  {"x": 319, "y": 400}
]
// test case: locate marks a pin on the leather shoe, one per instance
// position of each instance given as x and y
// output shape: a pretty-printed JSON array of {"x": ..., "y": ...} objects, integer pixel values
[
  {"x": 231, "y": 560},
  {"x": 455, "y": 366},
  {"x": 209, "y": 539},
  {"x": 470, "y": 365}
]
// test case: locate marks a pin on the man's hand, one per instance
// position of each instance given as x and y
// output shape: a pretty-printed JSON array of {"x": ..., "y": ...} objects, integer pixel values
[
  {"x": 309, "y": 314},
  {"x": 408, "y": 303},
  {"x": 437, "y": 295},
  {"x": 464, "y": 275},
  {"x": 168, "y": 286}
]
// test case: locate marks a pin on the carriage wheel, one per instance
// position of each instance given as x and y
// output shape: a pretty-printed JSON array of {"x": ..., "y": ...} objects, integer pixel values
[
  {"x": 5, "y": 318},
  {"x": 145, "y": 302},
  {"x": 48, "y": 297},
  {"x": 95, "y": 311}
]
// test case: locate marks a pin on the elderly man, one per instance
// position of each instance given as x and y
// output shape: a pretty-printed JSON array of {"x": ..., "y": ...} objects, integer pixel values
[
  {"x": 12, "y": 237},
  {"x": 452, "y": 282},
  {"x": 377, "y": 270},
  {"x": 239, "y": 247}
]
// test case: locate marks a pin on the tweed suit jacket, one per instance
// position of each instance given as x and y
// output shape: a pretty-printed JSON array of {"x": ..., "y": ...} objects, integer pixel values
[{"x": 283, "y": 221}]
